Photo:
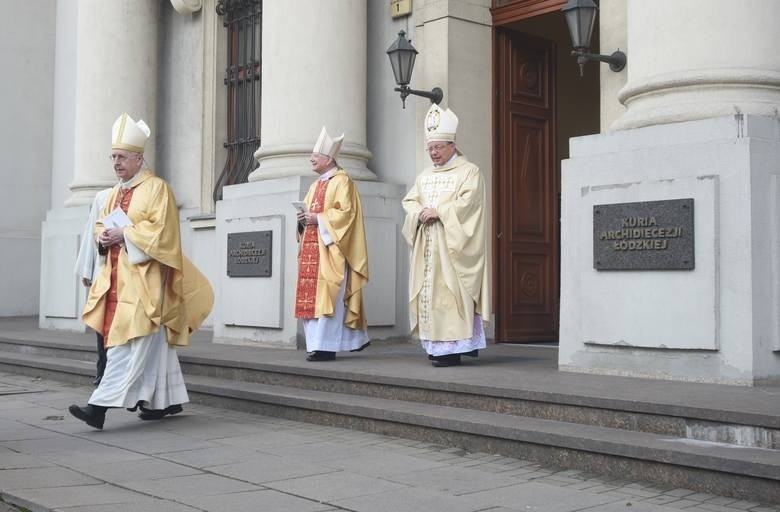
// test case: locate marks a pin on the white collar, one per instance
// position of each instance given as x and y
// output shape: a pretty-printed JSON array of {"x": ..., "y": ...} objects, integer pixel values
[
  {"x": 129, "y": 183},
  {"x": 328, "y": 174}
]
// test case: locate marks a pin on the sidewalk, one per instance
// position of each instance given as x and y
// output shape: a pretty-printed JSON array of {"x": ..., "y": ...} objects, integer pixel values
[{"x": 211, "y": 459}]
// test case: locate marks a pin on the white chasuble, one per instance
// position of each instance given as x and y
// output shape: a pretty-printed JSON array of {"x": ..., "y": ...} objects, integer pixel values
[{"x": 448, "y": 276}]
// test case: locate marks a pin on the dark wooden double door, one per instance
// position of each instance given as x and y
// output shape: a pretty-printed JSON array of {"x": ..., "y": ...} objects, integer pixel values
[{"x": 526, "y": 190}]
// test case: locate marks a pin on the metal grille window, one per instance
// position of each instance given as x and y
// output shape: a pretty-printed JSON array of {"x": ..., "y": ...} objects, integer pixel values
[{"x": 243, "y": 21}]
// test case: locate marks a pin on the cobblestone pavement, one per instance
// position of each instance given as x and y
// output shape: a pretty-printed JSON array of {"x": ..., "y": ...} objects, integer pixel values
[{"x": 209, "y": 459}]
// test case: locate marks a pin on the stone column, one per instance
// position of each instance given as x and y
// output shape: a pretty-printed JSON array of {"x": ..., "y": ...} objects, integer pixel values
[
  {"x": 116, "y": 71},
  {"x": 321, "y": 54},
  {"x": 700, "y": 59}
]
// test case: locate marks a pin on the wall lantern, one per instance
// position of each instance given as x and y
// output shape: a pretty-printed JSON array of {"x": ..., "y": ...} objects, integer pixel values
[
  {"x": 581, "y": 18},
  {"x": 402, "y": 55}
]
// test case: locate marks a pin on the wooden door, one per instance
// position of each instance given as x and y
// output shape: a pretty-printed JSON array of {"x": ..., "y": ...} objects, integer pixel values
[{"x": 526, "y": 193}]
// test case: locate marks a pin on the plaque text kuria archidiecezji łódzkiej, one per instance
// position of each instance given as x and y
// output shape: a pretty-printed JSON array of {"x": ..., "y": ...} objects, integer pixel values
[
  {"x": 650, "y": 235},
  {"x": 249, "y": 254}
]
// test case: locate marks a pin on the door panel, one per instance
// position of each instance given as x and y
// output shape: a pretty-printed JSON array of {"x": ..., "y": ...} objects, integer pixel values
[{"x": 527, "y": 189}]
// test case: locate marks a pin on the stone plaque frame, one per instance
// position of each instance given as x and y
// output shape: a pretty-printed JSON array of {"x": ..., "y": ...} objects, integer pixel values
[
  {"x": 249, "y": 254},
  {"x": 650, "y": 235}
]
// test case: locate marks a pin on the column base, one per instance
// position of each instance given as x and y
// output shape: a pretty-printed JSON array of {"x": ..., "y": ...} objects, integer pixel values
[
  {"x": 62, "y": 295},
  {"x": 259, "y": 310},
  {"x": 720, "y": 321}
]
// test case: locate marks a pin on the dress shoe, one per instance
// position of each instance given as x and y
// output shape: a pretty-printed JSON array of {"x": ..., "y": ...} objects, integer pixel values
[
  {"x": 364, "y": 345},
  {"x": 473, "y": 353},
  {"x": 158, "y": 414},
  {"x": 445, "y": 361},
  {"x": 321, "y": 355},
  {"x": 92, "y": 415}
]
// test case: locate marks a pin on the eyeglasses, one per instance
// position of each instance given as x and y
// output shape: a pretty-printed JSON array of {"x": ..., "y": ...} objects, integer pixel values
[
  {"x": 119, "y": 158},
  {"x": 437, "y": 147}
]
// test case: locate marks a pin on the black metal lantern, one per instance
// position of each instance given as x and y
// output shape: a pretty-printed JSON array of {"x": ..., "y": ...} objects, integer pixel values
[
  {"x": 402, "y": 55},
  {"x": 581, "y": 18}
]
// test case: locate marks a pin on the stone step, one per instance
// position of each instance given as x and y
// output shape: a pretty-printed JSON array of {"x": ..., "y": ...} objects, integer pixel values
[
  {"x": 746, "y": 473},
  {"x": 704, "y": 466},
  {"x": 719, "y": 425},
  {"x": 77, "y": 351},
  {"x": 733, "y": 426}
]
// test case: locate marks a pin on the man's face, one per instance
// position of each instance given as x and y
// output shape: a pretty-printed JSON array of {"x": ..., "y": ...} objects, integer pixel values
[
  {"x": 320, "y": 163},
  {"x": 126, "y": 163},
  {"x": 440, "y": 151}
]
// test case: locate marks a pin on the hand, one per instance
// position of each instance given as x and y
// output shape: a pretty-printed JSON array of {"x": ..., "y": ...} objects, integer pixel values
[
  {"x": 86, "y": 282},
  {"x": 428, "y": 215},
  {"x": 307, "y": 218},
  {"x": 112, "y": 236}
]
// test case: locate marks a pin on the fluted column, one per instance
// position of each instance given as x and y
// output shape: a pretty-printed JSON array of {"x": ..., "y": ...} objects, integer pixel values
[
  {"x": 314, "y": 74},
  {"x": 699, "y": 59},
  {"x": 116, "y": 71}
]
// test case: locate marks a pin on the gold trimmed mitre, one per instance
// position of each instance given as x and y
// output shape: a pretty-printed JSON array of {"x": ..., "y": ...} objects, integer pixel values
[
  {"x": 128, "y": 134},
  {"x": 328, "y": 146},
  {"x": 440, "y": 125}
]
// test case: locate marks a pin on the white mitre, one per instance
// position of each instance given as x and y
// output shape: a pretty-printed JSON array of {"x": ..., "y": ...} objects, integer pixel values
[
  {"x": 129, "y": 135},
  {"x": 328, "y": 146},
  {"x": 440, "y": 124}
]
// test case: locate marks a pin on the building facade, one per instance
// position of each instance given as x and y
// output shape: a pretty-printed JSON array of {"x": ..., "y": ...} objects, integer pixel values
[{"x": 236, "y": 93}]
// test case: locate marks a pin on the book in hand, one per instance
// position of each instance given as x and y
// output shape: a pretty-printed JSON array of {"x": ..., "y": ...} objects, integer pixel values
[
  {"x": 117, "y": 219},
  {"x": 300, "y": 206}
]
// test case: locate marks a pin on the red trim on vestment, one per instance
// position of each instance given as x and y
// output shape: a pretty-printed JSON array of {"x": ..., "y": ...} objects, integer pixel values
[
  {"x": 309, "y": 260},
  {"x": 123, "y": 201}
]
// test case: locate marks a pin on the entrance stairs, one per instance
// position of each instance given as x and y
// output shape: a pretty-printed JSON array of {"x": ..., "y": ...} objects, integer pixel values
[{"x": 511, "y": 400}]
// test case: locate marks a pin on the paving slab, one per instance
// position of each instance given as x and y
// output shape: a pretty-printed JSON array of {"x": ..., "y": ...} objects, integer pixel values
[
  {"x": 143, "y": 439},
  {"x": 381, "y": 463},
  {"x": 51, "y": 476},
  {"x": 12, "y": 460},
  {"x": 207, "y": 457},
  {"x": 185, "y": 487},
  {"x": 147, "y": 468},
  {"x": 95, "y": 454},
  {"x": 332, "y": 487},
  {"x": 414, "y": 498},
  {"x": 533, "y": 496},
  {"x": 453, "y": 480},
  {"x": 265, "y": 469},
  {"x": 106, "y": 495},
  {"x": 267, "y": 500},
  {"x": 144, "y": 506},
  {"x": 629, "y": 506}
]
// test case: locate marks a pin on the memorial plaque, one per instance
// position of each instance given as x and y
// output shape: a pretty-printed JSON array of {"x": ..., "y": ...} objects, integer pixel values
[
  {"x": 249, "y": 254},
  {"x": 652, "y": 235}
]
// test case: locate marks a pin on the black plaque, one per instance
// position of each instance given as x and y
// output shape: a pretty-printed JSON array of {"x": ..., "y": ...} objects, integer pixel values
[
  {"x": 249, "y": 254},
  {"x": 651, "y": 235}
]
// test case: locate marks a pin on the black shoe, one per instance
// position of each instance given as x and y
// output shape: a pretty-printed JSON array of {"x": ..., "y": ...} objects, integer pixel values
[
  {"x": 158, "y": 414},
  {"x": 136, "y": 406},
  {"x": 473, "y": 353},
  {"x": 92, "y": 415},
  {"x": 361, "y": 347},
  {"x": 97, "y": 380},
  {"x": 445, "y": 361},
  {"x": 321, "y": 355}
]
